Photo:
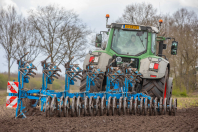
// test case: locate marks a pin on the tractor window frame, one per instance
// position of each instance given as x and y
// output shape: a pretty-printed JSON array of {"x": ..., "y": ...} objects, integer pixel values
[
  {"x": 153, "y": 43},
  {"x": 129, "y": 54}
]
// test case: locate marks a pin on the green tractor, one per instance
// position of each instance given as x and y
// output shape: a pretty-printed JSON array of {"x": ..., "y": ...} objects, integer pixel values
[{"x": 137, "y": 43}]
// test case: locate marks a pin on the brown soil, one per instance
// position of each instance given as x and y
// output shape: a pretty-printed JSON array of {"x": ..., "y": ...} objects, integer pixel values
[{"x": 185, "y": 120}]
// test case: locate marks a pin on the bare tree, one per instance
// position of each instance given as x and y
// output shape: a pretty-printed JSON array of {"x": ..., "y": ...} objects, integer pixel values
[
  {"x": 62, "y": 32},
  {"x": 76, "y": 42},
  {"x": 186, "y": 21},
  {"x": 27, "y": 41},
  {"x": 140, "y": 13},
  {"x": 9, "y": 28}
]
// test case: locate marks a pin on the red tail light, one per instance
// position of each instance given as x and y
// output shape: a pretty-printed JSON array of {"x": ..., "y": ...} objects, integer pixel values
[
  {"x": 152, "y": 75},
  {"x": 156, "y": 66},
  {"x": 91, "y": 58}
]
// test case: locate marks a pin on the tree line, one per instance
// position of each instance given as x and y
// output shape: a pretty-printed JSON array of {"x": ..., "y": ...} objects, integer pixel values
[{"x": 47, "y": 30}]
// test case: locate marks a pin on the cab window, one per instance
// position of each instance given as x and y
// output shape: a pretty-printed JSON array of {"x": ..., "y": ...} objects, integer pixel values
[{"x": 153, "y": 45}]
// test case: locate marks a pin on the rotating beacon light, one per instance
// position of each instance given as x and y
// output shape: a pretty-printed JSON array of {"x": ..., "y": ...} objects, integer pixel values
[
  {"x": 160, "y": 22},
  {"x": 107, "y": 17}
]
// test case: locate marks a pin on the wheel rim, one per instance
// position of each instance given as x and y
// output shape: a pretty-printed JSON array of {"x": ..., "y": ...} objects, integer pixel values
[
  {"x": 125, "y": 106},
  {"x": 79, "y": 106},
  {"x": 98, "y": 105},
  {"x": 131, "y": 106},
  {"x": 91, "y": 106},
  {"x": 74, "y": 106},
  {"x": 114, "y": 111},
  {"x": 109, "y": 109},
  {"x": 103, "y": 106},
  {"x": 86, "y": 107}
]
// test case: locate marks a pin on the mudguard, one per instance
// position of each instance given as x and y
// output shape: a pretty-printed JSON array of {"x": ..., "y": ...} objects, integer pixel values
[
  {"x": 103, "y": 60},
  {"x": 144, "y": 68}
]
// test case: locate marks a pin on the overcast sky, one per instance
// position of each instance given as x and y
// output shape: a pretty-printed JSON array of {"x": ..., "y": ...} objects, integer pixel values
[{"x": 93, "y": 12}]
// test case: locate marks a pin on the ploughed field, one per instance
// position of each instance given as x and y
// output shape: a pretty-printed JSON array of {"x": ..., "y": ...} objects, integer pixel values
[{"x": 186, "y": 119}]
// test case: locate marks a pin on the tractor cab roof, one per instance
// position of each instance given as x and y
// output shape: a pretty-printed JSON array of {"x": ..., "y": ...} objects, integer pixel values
[{"x": 129, "y": 26}]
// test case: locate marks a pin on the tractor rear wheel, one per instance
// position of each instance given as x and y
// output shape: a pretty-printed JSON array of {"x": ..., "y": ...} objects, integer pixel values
[
  {"x": 96, "y": 88},
  {"x": 156, "y": 87}
]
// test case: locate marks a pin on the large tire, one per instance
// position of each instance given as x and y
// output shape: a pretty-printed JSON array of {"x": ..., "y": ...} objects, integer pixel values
[
  {"x": 96, "y": 88},
  {"x": 156, "y": 87}
]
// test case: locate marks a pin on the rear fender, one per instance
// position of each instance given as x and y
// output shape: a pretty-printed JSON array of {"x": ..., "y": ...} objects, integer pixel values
[
  {"x": 102, "y": 62},
  {"x": 144, "y": 68}
]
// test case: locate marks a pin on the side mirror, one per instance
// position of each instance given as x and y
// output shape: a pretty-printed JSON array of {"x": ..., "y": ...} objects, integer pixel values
[
  {"x": 164, "y": 46},
  {"x": 174, "y": 48},
  {"x": 98, "y": 40}
]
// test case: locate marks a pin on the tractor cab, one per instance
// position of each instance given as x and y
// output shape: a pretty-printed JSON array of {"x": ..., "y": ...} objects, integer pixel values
[{"x": 129, "y": 39}]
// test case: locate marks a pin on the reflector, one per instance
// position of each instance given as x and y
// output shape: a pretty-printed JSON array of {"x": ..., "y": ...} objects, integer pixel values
[
  {"x": 156, "y": 66},
  {"x": 91, "y": 58}
]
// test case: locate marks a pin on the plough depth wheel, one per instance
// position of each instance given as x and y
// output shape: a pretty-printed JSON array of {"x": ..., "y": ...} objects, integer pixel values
[
  {"x": 141, "y": 106},
  {"x": 98, "y": 105},
  {"x": 120, "y": 110},
  {"x": 73, "y": 107},
  {"x": 155, "y": 106},
  {"x": 164, "y": 106},
  {"x": 86, "y": 106},
  {"x": 131, "y": 106},
  {"x": 161, "y": 106},
  {"x": 136, "y": 106},
  {"x": 79, "y": 106},
  {"x": 151, "y": 106},
  {"x": 170, "y": 106},
  {"x": 91, "y": 106},
  {"x": 103, "y": 106},
  {"x": 114, "y": 109},
  {"x": 145, "y": 106},
  {"x": 53, "y": 106},
  {"x": 125, "y": 106},
  {"x": 66, "y": 106},
  {"x": 60, "y": 104},
  {"x": 47, "y": 106},
  {"x": 109, "y": 107}
]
